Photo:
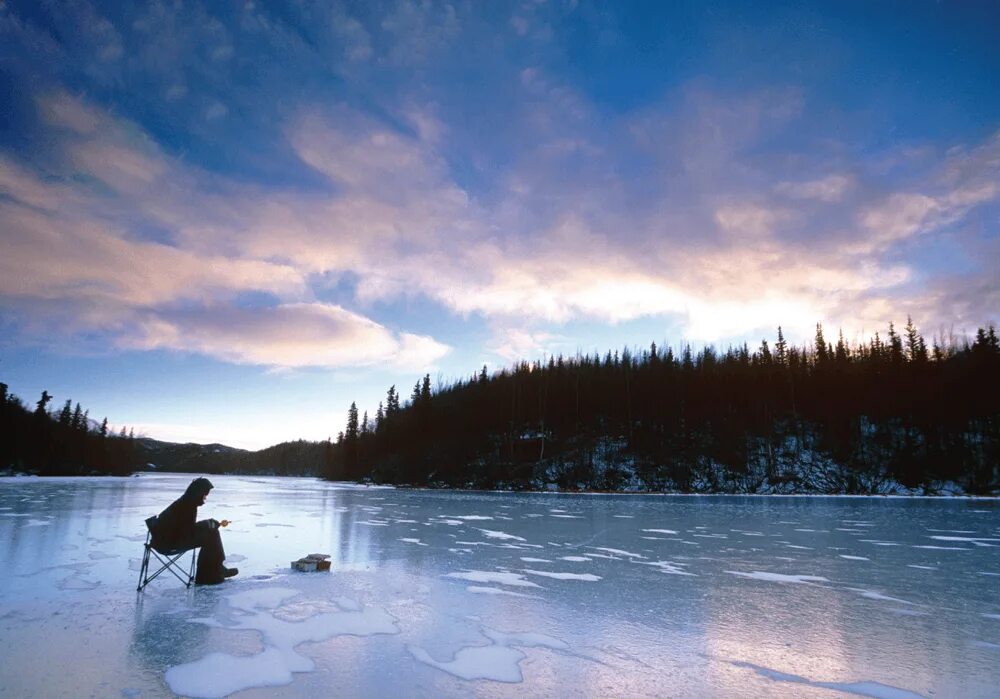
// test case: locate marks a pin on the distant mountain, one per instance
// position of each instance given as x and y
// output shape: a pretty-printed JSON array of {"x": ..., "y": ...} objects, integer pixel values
[
  {"x": 172, "y": 456},
  {"x": 299, "y": 458}
]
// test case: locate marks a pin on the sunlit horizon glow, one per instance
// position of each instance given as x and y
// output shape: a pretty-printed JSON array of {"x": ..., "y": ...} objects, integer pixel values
[{"x": 230, "y": 222}]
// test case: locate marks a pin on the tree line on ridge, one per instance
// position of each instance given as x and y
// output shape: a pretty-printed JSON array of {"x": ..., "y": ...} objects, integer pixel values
[{"x": 892, "y": 408}]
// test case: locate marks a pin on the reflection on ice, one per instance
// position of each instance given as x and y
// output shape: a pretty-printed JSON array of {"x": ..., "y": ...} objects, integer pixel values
[{"x": 864, "y": 689}]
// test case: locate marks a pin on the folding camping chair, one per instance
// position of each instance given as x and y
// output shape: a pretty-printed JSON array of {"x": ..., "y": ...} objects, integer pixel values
[{"x": 167, "y": 557}]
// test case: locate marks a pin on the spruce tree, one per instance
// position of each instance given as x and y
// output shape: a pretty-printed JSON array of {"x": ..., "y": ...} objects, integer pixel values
[
  {"x": 781, "y": 348},
  {"x": 77, "y": 420},
  {"x": 351, "y": 432},
  {"x": 391, "y": 402},
  {"x": 895, "y": 346},
  {"x": 840, "y": 354},
  {"x": 821, "y": 348},
  {"x": 42, "y": 402}
]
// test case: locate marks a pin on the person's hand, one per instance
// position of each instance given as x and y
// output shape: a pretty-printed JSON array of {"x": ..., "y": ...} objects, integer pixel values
[{"x": 224, "y": 523}]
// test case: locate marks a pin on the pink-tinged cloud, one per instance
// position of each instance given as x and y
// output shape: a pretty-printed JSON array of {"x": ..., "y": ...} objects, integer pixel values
[
  {"x": 831, "y": 188},
  {"x": 290, "y": 335},
  {"x": 45, "y": 255}
]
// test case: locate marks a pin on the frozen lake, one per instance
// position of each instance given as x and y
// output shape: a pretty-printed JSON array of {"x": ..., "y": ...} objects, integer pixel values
[{"x": 444, "y": 594}]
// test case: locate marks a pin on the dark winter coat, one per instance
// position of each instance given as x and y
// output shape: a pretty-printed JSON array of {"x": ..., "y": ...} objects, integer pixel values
[{"x": 175, "y": 525}]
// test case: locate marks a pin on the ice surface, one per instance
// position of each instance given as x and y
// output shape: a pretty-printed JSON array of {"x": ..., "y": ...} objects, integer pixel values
[{"x": 500, "y": 594}]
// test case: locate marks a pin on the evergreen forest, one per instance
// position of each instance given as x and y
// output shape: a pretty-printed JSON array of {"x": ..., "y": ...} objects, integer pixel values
[
  {"x": 60, "y": 443},
  {"x": 890, "y": 414}
]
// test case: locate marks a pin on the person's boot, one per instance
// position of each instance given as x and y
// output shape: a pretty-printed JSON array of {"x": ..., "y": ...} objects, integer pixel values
[{"x": 230, "y": 572}]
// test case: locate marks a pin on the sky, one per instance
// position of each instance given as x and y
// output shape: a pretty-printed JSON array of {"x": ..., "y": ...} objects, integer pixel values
[{"x": 223, "y": 222}]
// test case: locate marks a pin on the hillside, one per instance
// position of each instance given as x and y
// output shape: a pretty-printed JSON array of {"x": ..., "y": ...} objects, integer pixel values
[
  {"x": 893, "y": 415},
  {"x": 297, "y": 458}
]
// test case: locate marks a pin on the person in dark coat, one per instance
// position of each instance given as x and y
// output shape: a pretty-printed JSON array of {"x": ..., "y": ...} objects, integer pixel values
[{"x": 176, "y": 528}]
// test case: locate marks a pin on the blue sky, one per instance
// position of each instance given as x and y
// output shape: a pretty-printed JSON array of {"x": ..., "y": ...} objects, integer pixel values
[{"x": 226, "y": 221}]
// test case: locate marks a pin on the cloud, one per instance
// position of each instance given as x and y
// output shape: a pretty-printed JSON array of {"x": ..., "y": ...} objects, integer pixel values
[
  {"x": 49, "y": 255},
  {"x": 418, "y": 29},
  {"x": 831, "y": 188},
  {"x": 288, "y": 335},
  {"x": 216, "y": 110},
  {"x": 61, "y": 110},
  {"x": 74, "y": 260},
  {"x": 966, "y": 180},
  {"x": 674, "y": 211}
]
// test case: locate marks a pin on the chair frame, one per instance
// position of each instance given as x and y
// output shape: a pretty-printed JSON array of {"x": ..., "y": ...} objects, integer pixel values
[{"x": 168, "y": 559}]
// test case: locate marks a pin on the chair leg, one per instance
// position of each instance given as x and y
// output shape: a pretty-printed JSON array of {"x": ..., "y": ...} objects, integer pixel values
[
  {"x": 143, "y": 569},
  {"x": 191, "y": 571}
]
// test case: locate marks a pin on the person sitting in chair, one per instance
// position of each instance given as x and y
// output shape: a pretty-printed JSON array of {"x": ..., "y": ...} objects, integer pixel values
[{"x": 176, "y": 528}]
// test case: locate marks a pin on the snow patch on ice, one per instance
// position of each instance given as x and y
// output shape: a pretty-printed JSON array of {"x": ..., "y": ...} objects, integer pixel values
[
  {"x": 660, "y": 531},
  {"x": 499, "y": 661},
  {"x": 219, "y": 674},
  {"x": 492, "y": 662},
  {"x": 588, "y": 577},
  {"x": 500, "y": 535},
  {"x": 263, "y": 598},
  {"x": 869, "y": 594},
  {"x": 617, "y": 552},
  {"x": 854, "y": 558},
  {"x": 974, "y": 540},
  {"x": 780, "y": 577},
  {"x": 575, "y": 559},
  {"x": 528, "y": 559},
  {"x": 478, "y": 589},
  {"x": 486, "y": 576},
  {"x": 669, "y": 567}
]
